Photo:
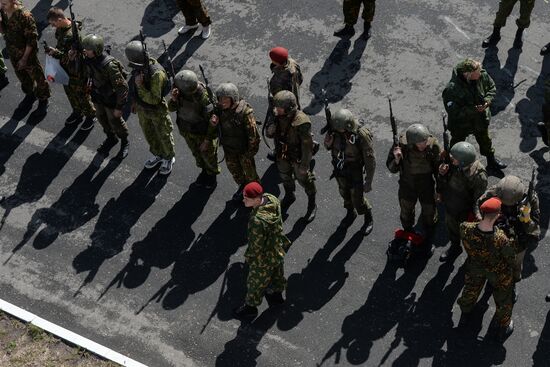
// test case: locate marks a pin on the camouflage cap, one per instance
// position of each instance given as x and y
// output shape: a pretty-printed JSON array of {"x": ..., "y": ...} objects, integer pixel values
[{"x": 467, "y": 65}]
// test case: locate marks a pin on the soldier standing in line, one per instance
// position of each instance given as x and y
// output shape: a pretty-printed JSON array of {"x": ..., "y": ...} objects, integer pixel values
[
  {"x": 291, "y": 131},
  {"x": 189, "y": 99},
  {"x": 351, "y": 14},
  {"x": 194, "y": 13},
  {"x": 490, "y": 259},
  {"x": 109, "y": 91},
  {"x": 21, "y": 36},
  {"x": 352, "y": 152},
  {"x": 461, "y": 183},
  {"x": 3, "y": 70},
  {"x": 238, "y": 136},
  {"x": 467, "y": 98},
  {"x": 148, "y": 85},
  {"x": 505, "y": 8},
  {"x": 267, "y": 246},
  {"x": 416, "y": 158},
  {"x": 76, "y": 91}
]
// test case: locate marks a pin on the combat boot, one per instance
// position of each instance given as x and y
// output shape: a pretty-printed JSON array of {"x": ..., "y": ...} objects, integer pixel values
[
  {"x": 245, "y": 312},
  {"x": 88, "y": 124},
  {"x": 547, "y": 296},
  {"x": 349, "y": 218},
  {"x": 493, "y": 39},
  {"x": 28, "y": 101},
  {"x": 274, "y": 299},
  {"x": 504, "y": 332},
  {"x": 465, "y": 319},
  {"x": 518, "y": 40},
  {"x": 3, "y": 81},
  {"x": 495, "y": 163},
  {"x": 238, "y": 195},
  {"x": 311, "y": 208},
  {"x": 210, "y": 182},
  {"x": 289, "y": 198},
  {"x": 368, "y": 224},
  {"x": 366, "y": 31},
  {"x": 451, "y": 253},
  {"x": 107, "y": 144},
  {"x": 545, "y": 50},
  {"x": 345, "y": 32},
  {"x": 124, "y": 148},
  {"x": 42, "y": 108},
  {"x": 271, "y": 156},
  {"x": 73, "y": 118}
]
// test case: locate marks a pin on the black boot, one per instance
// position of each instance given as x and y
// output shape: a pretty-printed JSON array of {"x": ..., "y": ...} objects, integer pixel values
[
  {"x": 274, "y": 299},
  {"x": 124, "y": 148},
  {"x": 518, "y": 40},
  {"x": 3, "y": 81},
  {"x": 271, "y": 156},
  {"x": 345, "y": 32},
  {"x": 505, "y": 332},
  {"x": 349, "y": 218},
  {"x": 368, "y": 224},
  {"x": 238, "y": 195},
  {"x": 42, "y": 108},
  {"x": 289, "y": 198},
  {"x": 545, "y": 50},
  {"x": 28, "y": 101},
  {"x": 311, "y": 208},
  {"x": 451, "y": 253},
  {"x": 73, "y": 118},
  {"x": 465, "y": 319},
  {"x": 88, "y": 124},
  {"x": 495, "y": 163},
  {"x": 210, "y": 182},
  {"x": 493, "y": 39},
  {"x": 107, "y": 144},
  {"x": 548, "y": 297},
  {"x": 201, "y": 179},
  {"x": 245, "y": 312},
  {"x": 366, "y": 31}
]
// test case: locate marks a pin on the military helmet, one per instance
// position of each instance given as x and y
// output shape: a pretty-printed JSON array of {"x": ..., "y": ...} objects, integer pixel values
[
  {"x": 464, "y": 153},
  {"x": 286, "y": 100},
  {"x": 135, "y": 54},
  {"x": 343, "y": 119},
  {"x": 93, "y": 42},
  {"x": 417, "y": 133},
  {"x": 186, "y": 81},
  {"x": 510, "y": 190},
  {"x": 228, "y": 90}
]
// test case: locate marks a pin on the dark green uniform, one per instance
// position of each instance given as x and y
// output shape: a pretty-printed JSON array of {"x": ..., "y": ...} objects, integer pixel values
[
  {"x": 352, "y": 8},
  {"x": 266, "y": 249},
  {"x": 460, "y": 98},
  {"x": 194, "y": 12},
  {"x": 417, "y": 175},
  {"x": 491, "y": 259},
  {"x": 505, "y": 8},
  {"x": 286, "y": 77},
  {"x": 193, "y": 114},
  {"x": 19, "y": 32}
]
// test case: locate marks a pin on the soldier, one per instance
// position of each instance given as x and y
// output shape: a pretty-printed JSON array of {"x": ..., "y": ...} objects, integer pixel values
[
  {"x": 3, "y": 70},
  {"x": 109, "y": 91},
  {"x": 461, "y": 183},
  {"x": 190, "y": 100},
  {"x": 351, "y": 13},
  {"x": 352, "y": 152},
  {"x": 238, "y": 136},
  {"x": 291, "y": 131},
  {"x": 544, "y": 126},
  {"x": 520, "y": 216},
  {"x": 490, "y": 259},
  {"x": 76, "y": 91},
  {"x": 194, "y": 13},
  {"x": 505, "y": 7},
  {"x": 416, "y": 158},
  {"x": 467, "y": 98},
  {"x": 267, "y": 246},
  {"x": 21, "y": 36},
  {"x": 148, "y": 85}
]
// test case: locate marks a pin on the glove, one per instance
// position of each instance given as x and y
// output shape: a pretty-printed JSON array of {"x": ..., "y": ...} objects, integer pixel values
[{"x": 524, "y": 214}]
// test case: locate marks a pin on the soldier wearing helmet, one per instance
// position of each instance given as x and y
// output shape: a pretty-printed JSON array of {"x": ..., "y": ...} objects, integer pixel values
[
  {"x": 189, "y": 98},
  {"x": 416, "y": 158},
  {"x": 461, "y": 184},
  {"x": 239, "y": 136},
  {"x": 109, "y": 92},
  {"x": 291, "y": 132},
  {"x": 352, "y": 153}
]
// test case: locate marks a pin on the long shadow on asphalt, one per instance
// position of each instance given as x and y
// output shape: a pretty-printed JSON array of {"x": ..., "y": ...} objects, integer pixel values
[
  {"x": 157, "y": 18},
  {"x": 542, "y": 353}
]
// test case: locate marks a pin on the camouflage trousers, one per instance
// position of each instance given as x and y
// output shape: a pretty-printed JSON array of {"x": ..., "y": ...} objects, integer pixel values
[
  {"x": 194, "y": 12},
  {"x": 242, "y": 168},
  {"x": 79, "y": 98},
  {"x": 112, "y": 126},
  {"x": 262, "y": 277},
  {"x": 288, "y": 171},
  {"x": 408, "y": 196},
  {"x": 3, "y": 67},
  {"x": 503, "y": 293},
  {"x": 208, "y": 160},
  {"x": 481, "y": 133},
  {"x": 32, "y": 77},
  {"x": 453, "y": 227},
  {"x": 157, "y": 129},
  {"x": 351, "y": 190},
  {"x": 352, "y": 8},
  {"x": 518, "y": 265},
  {"x": 505, "y": 8}
]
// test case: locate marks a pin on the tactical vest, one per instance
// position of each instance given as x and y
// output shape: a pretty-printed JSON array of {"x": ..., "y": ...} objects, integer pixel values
[
  {"x": 153, "y": 68},
  {"x": 459, "y": 190},
  {"x": 416, "y": 162},
  {"x": 191, "y": 114},
  {"x": 288, "y": 143},
  {"x": 102, "y": 89},
  {"x": 234, "y": 137},
  {"x": 287, "y": 77},
  {"x": 347, "y": 151}
]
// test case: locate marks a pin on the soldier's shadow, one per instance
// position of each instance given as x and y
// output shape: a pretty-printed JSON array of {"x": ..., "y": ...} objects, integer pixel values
[
  {"x": 158, "y": 17},
  {"x": 542, "y": 353}
]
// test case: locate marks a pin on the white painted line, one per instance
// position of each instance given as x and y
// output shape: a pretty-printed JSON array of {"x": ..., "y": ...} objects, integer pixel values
[
  {"x": 448, "y": 20},
  {"x": 68, "y": 335}
]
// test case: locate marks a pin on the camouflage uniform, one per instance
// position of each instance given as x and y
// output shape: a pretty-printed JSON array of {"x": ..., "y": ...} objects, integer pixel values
[
  {"x": 194, "y": 11},
  {"x": 76, "y": 91},
  {"x": 266, "y": 249},
  {"x": 240, "y": 141},
  {"x": 152, "y": 111},
  {"x": 352, "y": 7},
  {"x": 192, "y": 121},
  {"x": 417, "y": 174},
  {"x": 286, "y": 77},
  {"x": 505, "y": 8},
  {"x": 490, "y": 258},
  {"x": 19, "y": 32}
]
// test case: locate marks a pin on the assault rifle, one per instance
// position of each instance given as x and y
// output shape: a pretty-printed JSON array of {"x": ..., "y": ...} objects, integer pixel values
[
  {"x": 446, "y": 142},
  {"x": 208, "y": 89},
  {"x": 268, "y": 114},
  {"x": 526, "y": 201},
  {"x": 146, "y": 69},
  {"x": 76, "y": 45},
  {"x": 171, "y": 71},
  {"x": 393, "y": 124},
  {"x": 328, "y": 114}
]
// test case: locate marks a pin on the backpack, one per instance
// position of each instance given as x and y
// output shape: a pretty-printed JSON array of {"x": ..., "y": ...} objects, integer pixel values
[{"x": 108, "y": 58}]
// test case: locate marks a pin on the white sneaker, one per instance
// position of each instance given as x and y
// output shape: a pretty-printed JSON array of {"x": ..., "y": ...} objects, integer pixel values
[
  {"x": 153, "y": 162},
  {"x": 206, "y": 32},
  {"x": 186, "y": 28},
  {"x": 166, "y": 166}
]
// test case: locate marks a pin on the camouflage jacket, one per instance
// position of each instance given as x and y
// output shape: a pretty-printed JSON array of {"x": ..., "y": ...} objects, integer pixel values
[
  {"x": 64, "y": 37},
  {"x": 286, "y": 77},
  {"x": 238, "y": 129},
  {"x": 150, "y": 98},
  {"x": 293, "y": 138},
  {"x": 109, "y": 86},
  {"x": 267, "y": 244},
  {"x": 462, "y": 187},
  {"x": 194, "y": 111},
  {"x": 19, "y": 32}
]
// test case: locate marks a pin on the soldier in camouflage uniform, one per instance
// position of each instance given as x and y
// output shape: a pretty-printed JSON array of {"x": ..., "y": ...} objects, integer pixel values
[
  {"x": 3, "y": 78},
  {"x": 193, "y": 108},
  {"x": 148, "y": 85},
  {"x": 352, "y": 152},
  {"x": 291, "y": 130},
  {"x": 467, "y": 98},
  {"x": 351, "y": 14},
  {"x": 109, "y": 91},
  {"x": 21, "y": 36},
  {"x": 416, "y": 158},
  {"x": 461, "y": 183},
  {"x": 490, "y": 259},
  {"x": 267, "y": 246},
  {"x": 76, "y": 91},
  {"x": 238, "y": 136},
  {"x": 505, "y": 8},
  {"x": 520, "y": 216},
  {"x": 194, "y": 13}
]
